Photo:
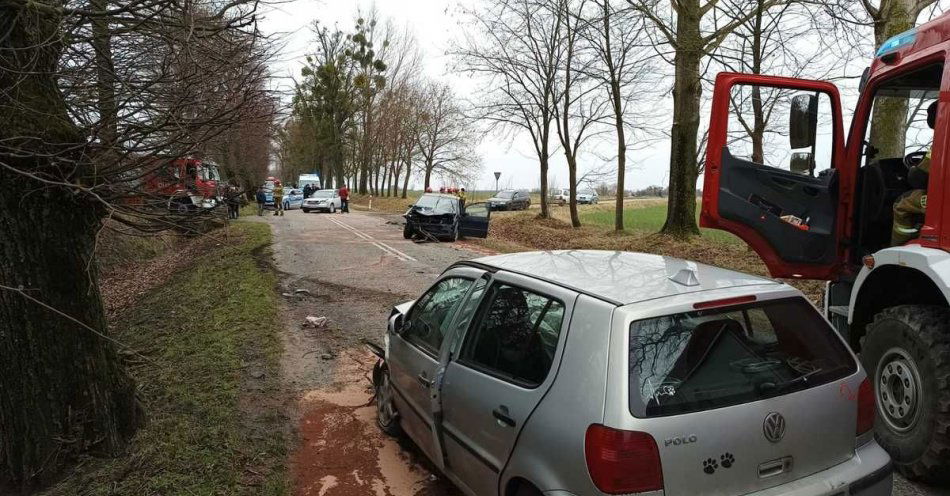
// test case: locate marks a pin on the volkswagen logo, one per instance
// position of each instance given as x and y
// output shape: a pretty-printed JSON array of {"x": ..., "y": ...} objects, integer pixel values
[{"x": 774, "y": 427}]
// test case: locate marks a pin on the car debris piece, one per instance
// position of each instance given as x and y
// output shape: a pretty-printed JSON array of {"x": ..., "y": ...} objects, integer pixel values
[
  {"x": 302, "y": 291},
  {"x": 316, "y": 322}
]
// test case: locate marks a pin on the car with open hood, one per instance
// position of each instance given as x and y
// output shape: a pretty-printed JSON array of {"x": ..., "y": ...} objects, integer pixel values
[{"x": 594, "y": 372}]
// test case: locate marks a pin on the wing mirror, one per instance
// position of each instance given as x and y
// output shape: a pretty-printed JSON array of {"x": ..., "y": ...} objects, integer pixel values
[
  {"x": 803, "y": 121},
  {"x": 398, "y": 323}
]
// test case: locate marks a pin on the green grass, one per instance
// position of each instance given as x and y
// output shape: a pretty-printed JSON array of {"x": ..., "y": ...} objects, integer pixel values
[
  {"x": 212, "y": 428},
  {"x": 650, "y": 219}
]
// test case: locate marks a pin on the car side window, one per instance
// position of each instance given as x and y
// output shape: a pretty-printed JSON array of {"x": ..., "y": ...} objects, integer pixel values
[
  {"x": 431, "y": 315},
  {"x": 517, "y": 335},
  {"x": 467, "y": 311}
]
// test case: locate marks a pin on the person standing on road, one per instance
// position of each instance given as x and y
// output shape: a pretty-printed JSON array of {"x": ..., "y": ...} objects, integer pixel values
[
  {"x": 261, "y": 198},
  {"x": 344, "y": 200},
  {"x": 234, "y": 202},
  {"x": 278, "y": 198},
  {"x": 461, "y": 194}
]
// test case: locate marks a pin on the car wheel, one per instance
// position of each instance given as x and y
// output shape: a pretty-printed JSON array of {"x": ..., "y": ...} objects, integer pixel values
[
  {"x": 332, "y": 208},
  {"x": 407, "y": 231},
  {"x": 386, "y": 416},
  {"x": 906, "y": 353},
  {"x": 305, "y": 210}
]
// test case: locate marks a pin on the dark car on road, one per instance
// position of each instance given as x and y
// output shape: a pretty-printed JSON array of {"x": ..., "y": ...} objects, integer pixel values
[
  {"x": 510, "y": 199},
  {"x": 445, "y": 217}
]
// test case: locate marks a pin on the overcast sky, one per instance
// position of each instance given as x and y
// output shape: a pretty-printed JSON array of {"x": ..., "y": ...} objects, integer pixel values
[{"x": 434, "y": 24}]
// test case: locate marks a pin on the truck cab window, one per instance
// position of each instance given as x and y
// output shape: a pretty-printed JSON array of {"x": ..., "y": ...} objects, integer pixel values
[
  {"x": 896, "y": 159},
  {"x": 760, "y": 128}
]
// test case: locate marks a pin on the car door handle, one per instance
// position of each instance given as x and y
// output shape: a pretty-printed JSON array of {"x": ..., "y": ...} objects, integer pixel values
[
  {"x": 501, "y": 415},
  {"x": 425, "y": 381}
]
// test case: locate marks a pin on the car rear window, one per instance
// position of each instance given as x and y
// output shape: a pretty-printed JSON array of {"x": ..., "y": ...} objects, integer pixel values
[{"x": 713, "y": 358}]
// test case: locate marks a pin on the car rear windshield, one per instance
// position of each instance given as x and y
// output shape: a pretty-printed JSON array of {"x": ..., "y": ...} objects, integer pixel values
[
  {"x": 713, "y": 358},
  {"x": 505, "y": 194},
  {"x": 324, "y": 193}
]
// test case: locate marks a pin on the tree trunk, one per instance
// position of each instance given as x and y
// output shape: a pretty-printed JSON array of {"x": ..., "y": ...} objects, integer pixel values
[
  {"x": 572, "y": 177},
  {"x": 63, "y": 387},
  {"x": 428, "y": 166},
  {"x": 621, "y": 154},
  {"x": 405, "y": 182},
  {"x": 687, "y": 92},
  {"x": 105, "y": 80}
]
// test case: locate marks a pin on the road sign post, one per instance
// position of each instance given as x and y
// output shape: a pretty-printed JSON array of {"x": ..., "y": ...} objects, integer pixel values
[{"x": 497, "y": 175}]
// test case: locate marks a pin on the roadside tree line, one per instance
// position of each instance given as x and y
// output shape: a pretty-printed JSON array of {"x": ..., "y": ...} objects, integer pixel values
[
  {"x": 98, "y": 95},
  {"x": 574, "y": 75},
  {"x": 364, "y": 115}
]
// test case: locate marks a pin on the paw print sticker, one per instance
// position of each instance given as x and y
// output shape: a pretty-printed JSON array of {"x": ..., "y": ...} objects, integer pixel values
[
  {"x": 726, "y": 460},
  {"x": 710, "y": 465}
]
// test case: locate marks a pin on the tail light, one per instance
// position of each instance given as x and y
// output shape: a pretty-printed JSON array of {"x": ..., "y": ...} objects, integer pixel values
[
  {"x": 622, "y": 462},
  {"x": 865, "y": 407}
]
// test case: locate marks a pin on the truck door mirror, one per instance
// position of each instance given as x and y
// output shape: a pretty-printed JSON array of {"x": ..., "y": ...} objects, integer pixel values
[
  {"x": 803, "y": 163},
  {"x": 803, "y": 121}
]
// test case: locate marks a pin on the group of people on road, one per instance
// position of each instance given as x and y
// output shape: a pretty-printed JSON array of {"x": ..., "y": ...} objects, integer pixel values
[
  {"x": 278, "y": 194},
  {"x": 459, "y": 192}
]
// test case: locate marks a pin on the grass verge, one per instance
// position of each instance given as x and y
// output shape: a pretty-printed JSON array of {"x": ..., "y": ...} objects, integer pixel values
[
  {"x": 208, "y": 375},
  {"x": 650, "y": 219}
]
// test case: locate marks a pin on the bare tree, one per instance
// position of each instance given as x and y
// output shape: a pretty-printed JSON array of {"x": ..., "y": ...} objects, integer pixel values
[
  {"x": 625, "y": 69},
  {"x": 693, "y": 30},
  {"x": 579, "y": 101},
  {"x": 445, "y": 137},
  {"x": 515, "y": 48},
  {"x": 97, "y": 97}
]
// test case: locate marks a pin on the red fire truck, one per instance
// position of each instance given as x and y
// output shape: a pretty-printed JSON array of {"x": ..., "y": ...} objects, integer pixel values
[
  {"x": 824, "y": 209},
  {"x": 185, "y": 185}
]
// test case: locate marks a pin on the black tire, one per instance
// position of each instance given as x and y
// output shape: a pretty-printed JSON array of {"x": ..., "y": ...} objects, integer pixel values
[
  {"x": 387, "y": 418},
  {"x": 906, "y": 353},
  {"x": 305, "y": 210},
  {"x": 408, "y": 231},
  {"x": 332, "y": 208}
]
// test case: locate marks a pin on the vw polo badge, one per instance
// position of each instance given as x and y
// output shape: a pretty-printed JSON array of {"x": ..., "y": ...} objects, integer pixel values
[{"x": 774, "y": 427}]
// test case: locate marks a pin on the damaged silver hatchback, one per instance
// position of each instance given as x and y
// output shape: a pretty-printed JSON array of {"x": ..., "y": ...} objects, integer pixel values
[{"x": 588, "y": 372}]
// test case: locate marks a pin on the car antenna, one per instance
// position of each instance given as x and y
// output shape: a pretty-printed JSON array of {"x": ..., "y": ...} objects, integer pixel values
[{"x": 685, "y": 277}]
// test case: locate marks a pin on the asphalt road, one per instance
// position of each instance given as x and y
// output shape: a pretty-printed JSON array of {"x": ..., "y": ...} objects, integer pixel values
[{"x": 351, "y": 269}]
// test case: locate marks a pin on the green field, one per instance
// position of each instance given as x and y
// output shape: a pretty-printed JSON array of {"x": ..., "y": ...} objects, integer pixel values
[{"x": 649, "y": 219}]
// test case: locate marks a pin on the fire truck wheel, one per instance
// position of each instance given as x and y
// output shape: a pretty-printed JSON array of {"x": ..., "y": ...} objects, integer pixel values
[{"x": 906, "y": 353}]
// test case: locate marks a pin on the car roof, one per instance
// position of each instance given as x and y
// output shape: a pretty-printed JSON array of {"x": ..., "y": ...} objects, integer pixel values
[{"x": 619, "y": 277}]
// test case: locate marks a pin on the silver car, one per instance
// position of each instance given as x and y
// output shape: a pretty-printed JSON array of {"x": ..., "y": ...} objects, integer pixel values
[
  {"x": 588, "y": 372},
  {"x": 325, "y": 200}
]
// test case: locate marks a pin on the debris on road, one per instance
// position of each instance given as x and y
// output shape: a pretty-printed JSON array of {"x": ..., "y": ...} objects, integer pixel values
[
  {"x": 302, "y": 291},
  {"x": 316, "y": 322}
]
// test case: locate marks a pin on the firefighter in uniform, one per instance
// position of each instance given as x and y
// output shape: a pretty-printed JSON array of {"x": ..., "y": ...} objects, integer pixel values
[{"x": 912, "y": 205}]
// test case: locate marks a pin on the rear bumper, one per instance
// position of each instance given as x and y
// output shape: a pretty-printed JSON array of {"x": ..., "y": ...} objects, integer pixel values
[{"x": 868, "y": 473}]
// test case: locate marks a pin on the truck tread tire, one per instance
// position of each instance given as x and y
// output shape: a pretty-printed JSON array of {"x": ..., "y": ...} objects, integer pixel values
[{"x": 922, "y": 452}]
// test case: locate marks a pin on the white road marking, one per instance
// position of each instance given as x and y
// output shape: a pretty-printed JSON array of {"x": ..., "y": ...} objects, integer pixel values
[{"x": 379, "y": 244}]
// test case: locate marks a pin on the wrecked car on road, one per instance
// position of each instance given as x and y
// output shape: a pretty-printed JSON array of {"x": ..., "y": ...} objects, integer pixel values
[{"x": 439, "y": 216}]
